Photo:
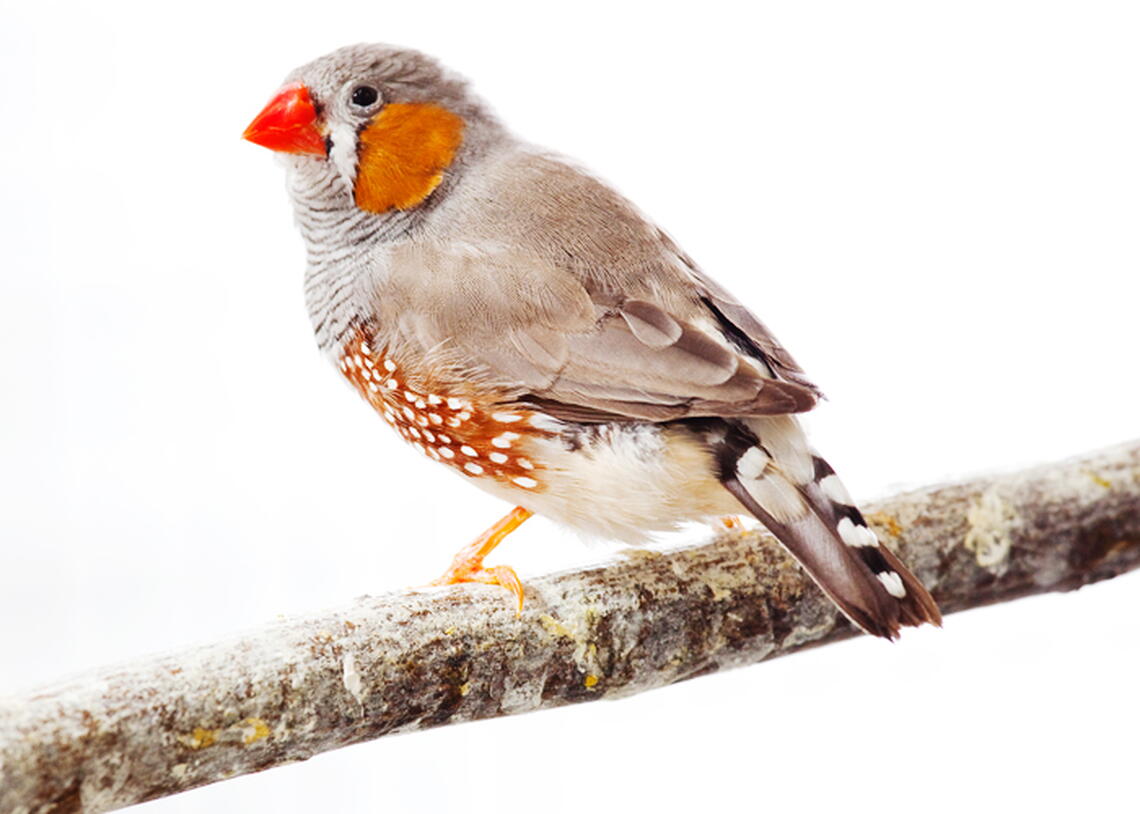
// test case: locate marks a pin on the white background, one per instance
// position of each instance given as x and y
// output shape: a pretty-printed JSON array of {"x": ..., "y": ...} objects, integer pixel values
[{"x": 935, "y": 206}]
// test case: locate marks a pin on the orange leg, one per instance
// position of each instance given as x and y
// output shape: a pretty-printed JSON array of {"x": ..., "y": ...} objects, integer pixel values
[
  {"x": 731, "y": 522},
  {"x": 468, "y": 563}
]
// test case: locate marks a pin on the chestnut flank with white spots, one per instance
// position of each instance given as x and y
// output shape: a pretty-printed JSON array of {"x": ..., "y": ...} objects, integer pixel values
[{"x": 476, "y": 444}]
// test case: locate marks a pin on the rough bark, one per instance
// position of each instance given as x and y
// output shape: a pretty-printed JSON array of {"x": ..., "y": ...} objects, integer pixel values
[{"x": 413, "y": 660}]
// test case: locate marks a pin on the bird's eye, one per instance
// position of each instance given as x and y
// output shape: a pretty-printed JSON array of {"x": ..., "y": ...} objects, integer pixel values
[{"x": 365, "y": 96}]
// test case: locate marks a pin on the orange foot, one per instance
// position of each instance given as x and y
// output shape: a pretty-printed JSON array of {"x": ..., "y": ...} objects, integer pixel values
[
  {"x": 468, "y": 563},
  {"x": 731, "y": 522}
]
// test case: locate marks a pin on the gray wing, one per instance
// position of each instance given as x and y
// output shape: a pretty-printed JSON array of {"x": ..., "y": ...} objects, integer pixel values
[
  {"x": 641, "y": 361},
  {"x": 538, "y": 331},
  {"x": 741, "y": 325},
  {"x": 562, "y": 293}
]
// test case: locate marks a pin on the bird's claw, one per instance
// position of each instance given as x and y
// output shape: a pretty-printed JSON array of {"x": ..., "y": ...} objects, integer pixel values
[{"x": 502, "y": 575}]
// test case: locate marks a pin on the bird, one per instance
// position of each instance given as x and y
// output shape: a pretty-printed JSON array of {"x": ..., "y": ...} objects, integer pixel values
[{"x": 519, "y": 321}]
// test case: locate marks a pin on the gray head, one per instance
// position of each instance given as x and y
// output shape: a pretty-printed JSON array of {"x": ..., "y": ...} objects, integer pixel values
[{"x": 376, "y": 127}]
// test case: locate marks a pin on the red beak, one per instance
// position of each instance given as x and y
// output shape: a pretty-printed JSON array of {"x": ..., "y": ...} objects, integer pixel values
[{"x": 288, "y": 123}]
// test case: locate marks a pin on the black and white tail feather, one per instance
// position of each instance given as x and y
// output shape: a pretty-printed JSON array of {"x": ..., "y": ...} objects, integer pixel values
[{"x": 767, "y": 464}]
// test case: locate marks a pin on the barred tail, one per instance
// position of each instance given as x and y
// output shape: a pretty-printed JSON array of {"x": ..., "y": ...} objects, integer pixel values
[{"x": 767, "y": 464}]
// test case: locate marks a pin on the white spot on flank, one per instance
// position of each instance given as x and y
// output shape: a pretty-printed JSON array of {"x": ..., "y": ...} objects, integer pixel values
[
  {"x": 409, "y": 396},
  {"x": 445, "y": 438},
  {"x": 498, "y": 457},
  {"x": 356, "y": 358},
  {"x": 525, "y": 482},
  {"x": 473, "y": 468},
  {"x": 392, "y": 384},
  {"x": 469, "y": 451},
  {"x": 506, "y": 418},
  {"x": 545, "y": 422},
  {"x": 893, "y": 583},
  {"x": 373, "y": 387},
  {"x": 415, "y": 433},
  {"x": 504, "y": 441},
  {"x": 348, "y": 361},
  {"x": 446, "y": 452},
  {"x": 343, "y": 365},
  {"x": 433, "y": 399},
  {"x": 524, "y": 463},
  {"x": 463, "y": 416},
  {"x": 367, "y": 351},
  {"x": 454, "y": 403},
  {"x": 389, "y": 365},
  {"x": 435, "y": 419},
  {"x": 752, "y": 463},
  {"x": 453, "y": 422},
  {"x": 429, "y": 435},
  {"x": 834, "y": 490},
  {"x": 409, "y": 414}
]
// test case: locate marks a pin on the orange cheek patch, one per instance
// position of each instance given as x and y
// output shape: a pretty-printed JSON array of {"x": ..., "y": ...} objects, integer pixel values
[{"x": 403, "y": 155}]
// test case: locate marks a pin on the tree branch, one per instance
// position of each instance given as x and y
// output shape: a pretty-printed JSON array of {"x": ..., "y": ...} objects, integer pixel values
[{"x": 413, "y": 660}]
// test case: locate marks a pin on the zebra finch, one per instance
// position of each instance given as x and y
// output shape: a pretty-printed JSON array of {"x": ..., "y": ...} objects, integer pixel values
[{"x": 520, "y": 322}]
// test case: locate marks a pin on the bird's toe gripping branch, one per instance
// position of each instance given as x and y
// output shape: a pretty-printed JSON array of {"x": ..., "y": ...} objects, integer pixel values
[{"x": 468, "y": 563}]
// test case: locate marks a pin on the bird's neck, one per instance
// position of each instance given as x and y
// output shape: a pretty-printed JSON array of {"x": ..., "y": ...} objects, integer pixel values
[
  {"x": 345, "y": 247},
  {"x": 331, "y": 224}
]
